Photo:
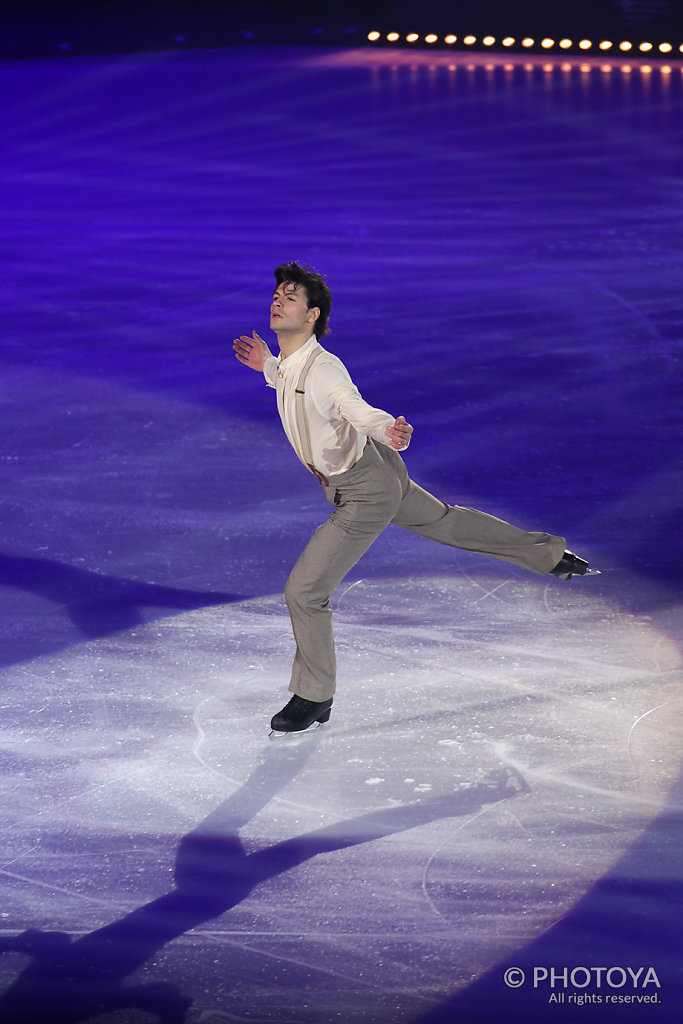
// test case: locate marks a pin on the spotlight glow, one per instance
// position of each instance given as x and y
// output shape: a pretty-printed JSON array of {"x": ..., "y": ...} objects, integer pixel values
[{"x": 625, "y": 46}]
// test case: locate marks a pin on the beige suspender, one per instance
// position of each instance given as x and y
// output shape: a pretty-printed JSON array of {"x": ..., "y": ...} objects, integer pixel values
[{"x": 303, "y": 429}]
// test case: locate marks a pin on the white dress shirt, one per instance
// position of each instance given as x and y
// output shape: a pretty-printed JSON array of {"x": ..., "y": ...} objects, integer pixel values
[{"x": 339, "y": 419}]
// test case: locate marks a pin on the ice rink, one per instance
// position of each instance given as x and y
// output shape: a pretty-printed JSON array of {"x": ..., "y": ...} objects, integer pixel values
[{"x": 498, "y": 791}]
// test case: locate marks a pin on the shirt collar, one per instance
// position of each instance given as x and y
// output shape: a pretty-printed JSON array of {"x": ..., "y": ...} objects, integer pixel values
[{"x": 301, "y": 354}]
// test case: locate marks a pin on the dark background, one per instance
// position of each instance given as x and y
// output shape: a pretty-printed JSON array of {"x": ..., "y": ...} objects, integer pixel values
[{"x": 33, "y": 29}]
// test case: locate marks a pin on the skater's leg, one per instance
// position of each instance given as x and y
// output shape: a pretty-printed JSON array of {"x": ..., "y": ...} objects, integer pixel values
[
  {"x": 471, "y": 530},
  {"x": 476, "y": 531},
  {"x": 367, "y": 498}
]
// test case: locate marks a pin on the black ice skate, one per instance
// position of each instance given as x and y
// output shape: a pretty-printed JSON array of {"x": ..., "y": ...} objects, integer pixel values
[
  {"x": 571, "y": 565},
  {"x": 300, "y": 713}
]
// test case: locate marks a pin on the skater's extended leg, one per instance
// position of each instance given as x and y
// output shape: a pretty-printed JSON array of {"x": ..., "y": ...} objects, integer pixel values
[
  {"x": 471, "y": 530},
  {"x": 476, "y": 531}
]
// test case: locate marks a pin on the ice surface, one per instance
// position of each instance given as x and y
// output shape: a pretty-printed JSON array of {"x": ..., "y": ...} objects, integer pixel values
[
  {"x": 493, "y": 751},
  {"x": 499, "y": 782}
]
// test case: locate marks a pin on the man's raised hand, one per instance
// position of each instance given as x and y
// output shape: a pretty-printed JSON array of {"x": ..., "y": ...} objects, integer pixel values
[
  {"x": 399, "y": 434},
  {"x": 253, "y": 351}
]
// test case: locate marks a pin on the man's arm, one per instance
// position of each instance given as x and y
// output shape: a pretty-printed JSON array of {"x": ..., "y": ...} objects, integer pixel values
[{"x": 348, "y": 403}]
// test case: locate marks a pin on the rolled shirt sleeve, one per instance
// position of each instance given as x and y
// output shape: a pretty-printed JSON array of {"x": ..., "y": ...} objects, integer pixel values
[{"x": 270, "y": 371}]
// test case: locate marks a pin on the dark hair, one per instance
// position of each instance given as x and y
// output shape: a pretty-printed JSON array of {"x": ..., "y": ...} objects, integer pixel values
[{"x": 317, "y": 292}]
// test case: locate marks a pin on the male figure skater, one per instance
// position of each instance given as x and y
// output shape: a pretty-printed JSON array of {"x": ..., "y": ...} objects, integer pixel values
[{"x": 352, "y": 449}]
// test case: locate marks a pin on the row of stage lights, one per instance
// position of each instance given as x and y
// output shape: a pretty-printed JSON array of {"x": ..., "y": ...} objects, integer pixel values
[{"x": 605, "y": 45}]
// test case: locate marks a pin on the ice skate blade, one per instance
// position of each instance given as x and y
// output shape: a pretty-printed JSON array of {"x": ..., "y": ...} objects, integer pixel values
[
  {"x": 293, "y": 734},
  {"x": 570, "y": 575}
]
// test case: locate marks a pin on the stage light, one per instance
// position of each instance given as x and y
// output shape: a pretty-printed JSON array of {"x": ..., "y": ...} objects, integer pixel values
[{"x": 546, "y": 43}]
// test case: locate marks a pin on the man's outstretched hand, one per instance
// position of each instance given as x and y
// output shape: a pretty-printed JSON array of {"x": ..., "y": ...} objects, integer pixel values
[
  {"x": 253, "y": 351},
  {"x": 399, "y": 434}
]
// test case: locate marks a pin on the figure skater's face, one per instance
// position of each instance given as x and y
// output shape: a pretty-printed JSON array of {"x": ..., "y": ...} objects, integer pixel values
[{"x": 289, "y": 310}]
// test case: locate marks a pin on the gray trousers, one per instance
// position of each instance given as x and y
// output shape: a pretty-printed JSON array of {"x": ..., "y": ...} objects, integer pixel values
[{"x": 365, "y": 499}]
